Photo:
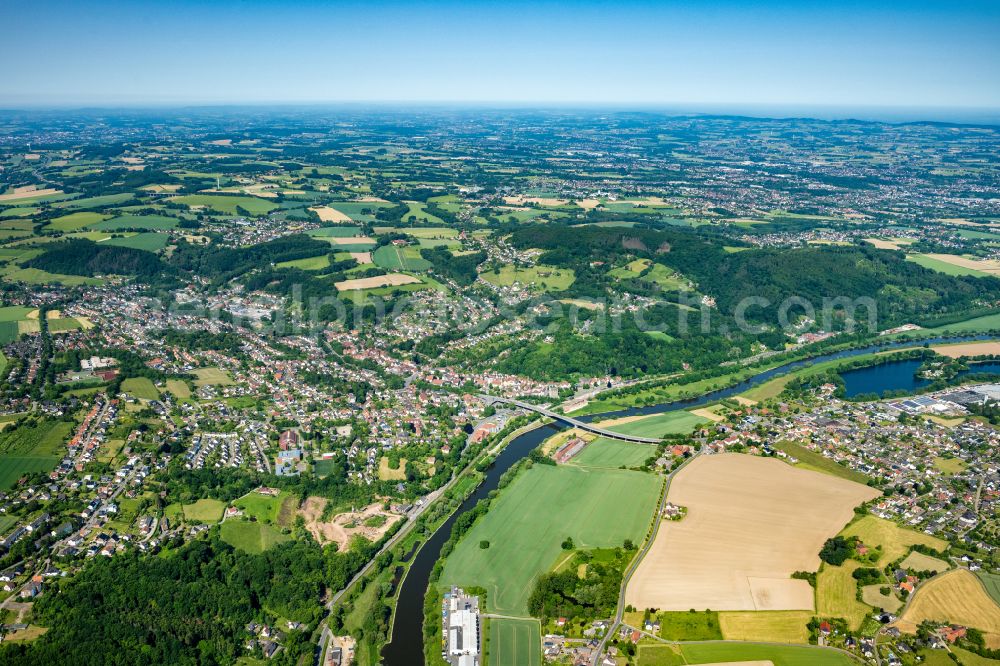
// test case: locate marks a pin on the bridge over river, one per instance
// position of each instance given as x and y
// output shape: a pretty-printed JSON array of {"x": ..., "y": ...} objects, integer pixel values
[{"x": 582, "y": 425}]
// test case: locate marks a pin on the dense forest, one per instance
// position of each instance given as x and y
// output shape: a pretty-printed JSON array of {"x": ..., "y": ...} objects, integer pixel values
[
  {"x": 84, "y": 257},
  {"x": 185, "y": 607},
  {"x": 901, "y": 289}
]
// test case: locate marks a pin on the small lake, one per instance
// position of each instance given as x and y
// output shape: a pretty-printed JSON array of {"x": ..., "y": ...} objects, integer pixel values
[{"x": 899, "y": 375}]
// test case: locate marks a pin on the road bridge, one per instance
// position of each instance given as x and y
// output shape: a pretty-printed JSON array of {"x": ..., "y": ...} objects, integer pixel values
[{"x": 582, "y": 425}]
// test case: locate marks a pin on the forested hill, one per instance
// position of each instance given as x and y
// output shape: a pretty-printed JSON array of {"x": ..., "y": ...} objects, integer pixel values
[
  {"x": 901, "y": 288},
  {"x": 225, "y": 263},
  {"x": 84, "y": 257}
]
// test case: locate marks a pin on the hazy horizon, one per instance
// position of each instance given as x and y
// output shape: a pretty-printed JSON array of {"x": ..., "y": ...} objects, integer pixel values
[{"x": 777, "y": 53}]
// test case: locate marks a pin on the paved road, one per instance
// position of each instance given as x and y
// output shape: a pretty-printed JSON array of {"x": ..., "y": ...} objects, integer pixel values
[
  {"x": 588, "y": 427},
  {"x": 658, "y": 518}
]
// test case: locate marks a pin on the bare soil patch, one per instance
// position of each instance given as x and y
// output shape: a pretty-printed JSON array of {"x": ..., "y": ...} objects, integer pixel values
[{"x": 343, "y": 527}]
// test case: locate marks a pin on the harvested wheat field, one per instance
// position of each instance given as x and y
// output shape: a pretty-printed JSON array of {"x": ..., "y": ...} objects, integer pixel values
[
  {"x": 707, "y": 413},
  {"x": 968, "y": 349},
  {"x": 327, "y": 214},
  {"x": 370, "y": 522},
  {"x": 390, "y": 279},
  {"x": 27, "y": 192},
  {"x": 362, "y": 257},
  {"x": 541, "y": 201},
  {"x": 751, "y": 523},
  {"x": 956, "y": 597}
]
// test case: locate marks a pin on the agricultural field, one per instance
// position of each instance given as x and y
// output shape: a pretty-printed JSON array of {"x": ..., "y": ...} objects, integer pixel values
[
  {"x": 151, "y": 242},
  {"x": 141, "y": 388},
  {"x": 920, "y": 562},
  {"x": 992, "y": 584},
  {"x": 535, "y": 513},
  {"x": 659, "y": 425},
  {"x": 390, "y": 279},
  {"x": 745, "y": 654},
  {"x": 308, "y": 263},
  {"x": 836, "y": 594},
  {"x": 872, "y": 596},
  {"x": 540, "y": 278},
  {"x": 689, "y": 626},
  {"x": 613, "y": 453},
  {"x": 26, "y": 449},
  {"x": 278, "y": 510},
  {"x": 252, "y": 537},
  {"x": 751, "y": 523},
  {"x": 211, "y": 377},
  {"x": 770, "y": 626},
  {"x": 75, "y": 221},
  {"x": 148, "y": 222},
  {"x": 227, "y": 204},
  {"x": 391, "y": 257},
  {"x": 953, "y": 264},
  {"x": 204, "y": 511},
  {"x": 515, "y": 643},
  {"x": 894, "y": 540},
  {"x": 819, "y": 462},
  {"x": 327, "y": 214},
  {"x": 954, "y": 597},
  {"x": 335, "y": 232},
  {"x": 975, "y": 325},
  {"x": 968, "y": 349}
]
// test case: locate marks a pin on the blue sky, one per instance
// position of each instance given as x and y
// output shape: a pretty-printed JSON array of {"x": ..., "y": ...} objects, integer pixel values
[{"x": 875, "y": 53}]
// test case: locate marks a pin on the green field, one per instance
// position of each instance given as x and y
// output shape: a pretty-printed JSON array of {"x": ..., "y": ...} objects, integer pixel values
[
  {"x": 423, "y": 233},
  {"x": 975, "y": 325},
  {"x": 211, "y": 377},
  {"x": 613, "y": 453},
  {"x": 19, "y": 212},
  {"x": 151, "y": 242},
  {"x": 335, "y": 232},
  {"x": 688, "y": 626},
  {"x": 836, "y": 594},
  {"x": 391, "y": 257},
  {"x": 307, "y": 264},
  {"x": 992, "y": 584},
  {"x": 75, "y": 221},
  {"x": 535, "y": 513},
  {"x": 205, "y": 510},
  {"x": 141, "y": 388},
  {"x": 943, "y": 266},
  {"x": 14, "y": 312},
  {"x": 37, "y": 448},
  {"x": 708, "y": 653},
  {"x": 265, "y": 509},
  {"x": 515, "y": 643},
  {"x": 251, "y": 537},
  {"x": 820, "y": 463},
  {"x": 224, "y": 203},
  {"x": 136, "y": 222},
  {"x": 658, "y": 425},
  {"x": 544, "y": 278},
  {"x": 353, "y": 209},
  {"x": 96, "y": 202}
]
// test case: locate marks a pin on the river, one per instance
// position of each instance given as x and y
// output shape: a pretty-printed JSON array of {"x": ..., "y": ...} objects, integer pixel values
[{"x": 406, "y": 647}]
